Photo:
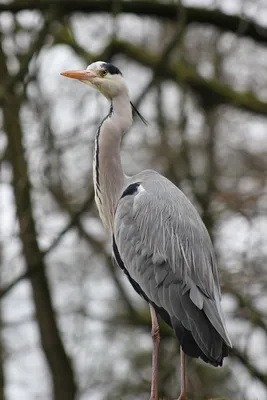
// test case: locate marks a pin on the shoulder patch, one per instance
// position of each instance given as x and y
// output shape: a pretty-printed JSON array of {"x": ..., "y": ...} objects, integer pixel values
[{"x": 131, "y": 189}]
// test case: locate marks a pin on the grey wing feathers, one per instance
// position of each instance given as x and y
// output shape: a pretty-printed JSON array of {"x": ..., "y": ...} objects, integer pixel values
[{"x": 167, "y": 251}]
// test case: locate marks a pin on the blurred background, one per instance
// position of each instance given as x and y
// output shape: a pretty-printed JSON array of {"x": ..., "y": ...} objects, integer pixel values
[{"x": 71, "y": 325}]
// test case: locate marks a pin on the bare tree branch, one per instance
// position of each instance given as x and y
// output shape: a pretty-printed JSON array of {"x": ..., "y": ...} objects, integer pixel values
[
  {"x": 229, "y": 23},
  {"x": 64, "y": 385},
  {"x": 253, "y": 370},
  {"x": 211, "y": 91},
  {"x": 36, "y": 266}
]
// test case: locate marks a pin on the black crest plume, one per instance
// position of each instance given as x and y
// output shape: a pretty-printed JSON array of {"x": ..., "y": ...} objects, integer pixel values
[{"x": 139, "y": 115}]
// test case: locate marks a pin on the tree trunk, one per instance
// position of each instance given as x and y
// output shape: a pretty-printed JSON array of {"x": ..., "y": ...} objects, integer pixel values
[
  {"x": 64, "y": 386},
  {"x": 2, "y": 376}
]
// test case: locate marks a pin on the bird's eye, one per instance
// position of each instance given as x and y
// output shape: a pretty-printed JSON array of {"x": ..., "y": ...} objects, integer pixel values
[{"x": 103, "y": 73}]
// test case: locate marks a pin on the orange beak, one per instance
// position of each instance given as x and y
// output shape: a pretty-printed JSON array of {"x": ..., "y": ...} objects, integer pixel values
[{"x": 80, "y": 75}]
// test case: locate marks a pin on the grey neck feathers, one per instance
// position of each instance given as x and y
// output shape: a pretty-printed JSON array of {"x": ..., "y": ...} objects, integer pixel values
[{"x": 108, "y": 173}]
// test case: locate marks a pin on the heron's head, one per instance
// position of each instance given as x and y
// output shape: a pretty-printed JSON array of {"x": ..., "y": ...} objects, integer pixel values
[{"x": 102, "y": 76}]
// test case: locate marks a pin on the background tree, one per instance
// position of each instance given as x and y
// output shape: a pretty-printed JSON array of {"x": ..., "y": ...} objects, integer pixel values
[{"x": 71, "y": 327}]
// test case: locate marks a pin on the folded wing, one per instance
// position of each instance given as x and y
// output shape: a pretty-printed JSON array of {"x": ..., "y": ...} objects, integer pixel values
[{"x": 165, "y": 250}]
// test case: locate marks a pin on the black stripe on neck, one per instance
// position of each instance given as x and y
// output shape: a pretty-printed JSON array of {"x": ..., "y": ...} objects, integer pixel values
[{"x": 97, "y": 146}]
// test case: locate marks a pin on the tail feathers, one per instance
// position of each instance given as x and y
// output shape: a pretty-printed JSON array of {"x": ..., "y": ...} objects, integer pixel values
[
  {"x": 213, "y": 311},
  {"x": 186, "y": 339},
  {"x": 197, "y": 334},
  {"x": 193, "y": 349}
]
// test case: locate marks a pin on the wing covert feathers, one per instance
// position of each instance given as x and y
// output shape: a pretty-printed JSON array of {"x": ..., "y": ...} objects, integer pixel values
[{"x": 163, "y": 247}]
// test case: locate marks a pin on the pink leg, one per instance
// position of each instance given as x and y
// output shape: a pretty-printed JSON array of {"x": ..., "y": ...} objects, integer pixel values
[
  {"x": 156, "y": 339},
  {"x": 183, "y": 395}
]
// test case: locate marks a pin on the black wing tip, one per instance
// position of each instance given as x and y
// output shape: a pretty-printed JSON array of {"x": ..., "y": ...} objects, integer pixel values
[
  {"x": 193, "y": 348},
  {"x": 139, "y": 115}
]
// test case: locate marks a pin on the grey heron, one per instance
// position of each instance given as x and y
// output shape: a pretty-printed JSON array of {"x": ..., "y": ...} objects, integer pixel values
[{"x": 159, "y": 239}]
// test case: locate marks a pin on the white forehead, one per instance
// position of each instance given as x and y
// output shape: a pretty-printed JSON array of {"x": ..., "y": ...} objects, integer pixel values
[{"x": 96, "y": 65}]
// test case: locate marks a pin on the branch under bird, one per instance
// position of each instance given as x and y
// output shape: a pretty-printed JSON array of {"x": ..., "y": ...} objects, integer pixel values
[{"x": 159, "y": 239}]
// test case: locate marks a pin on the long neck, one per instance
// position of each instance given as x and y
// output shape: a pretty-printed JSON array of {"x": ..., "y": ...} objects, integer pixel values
[{"x": 108, "y": 173}]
